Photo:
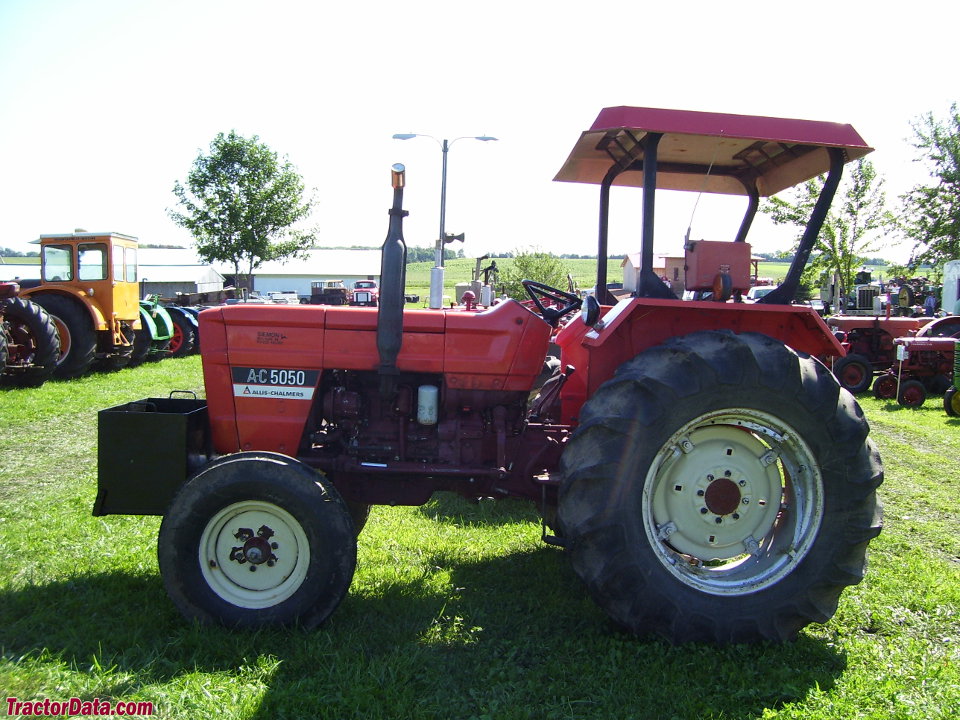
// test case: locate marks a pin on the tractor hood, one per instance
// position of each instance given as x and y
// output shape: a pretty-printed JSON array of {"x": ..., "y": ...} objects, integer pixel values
[{"x": 709, "y": 152}]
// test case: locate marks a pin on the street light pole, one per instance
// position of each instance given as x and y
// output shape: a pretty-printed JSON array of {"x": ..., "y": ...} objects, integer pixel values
[{"x": 436, "y": 274}]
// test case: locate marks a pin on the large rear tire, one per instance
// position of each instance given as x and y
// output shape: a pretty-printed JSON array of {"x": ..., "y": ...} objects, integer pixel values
[
  {"x": 720, "y": 488},
  {"x": 184, "y": 335},
  {"x": 257, "y": 539},
  {"x": 78, "y": 339},
  {"x": 34, "y": 346}
]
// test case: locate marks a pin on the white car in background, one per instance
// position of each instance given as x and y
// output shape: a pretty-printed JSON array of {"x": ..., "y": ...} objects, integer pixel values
[{"x": 755, "y": 293}]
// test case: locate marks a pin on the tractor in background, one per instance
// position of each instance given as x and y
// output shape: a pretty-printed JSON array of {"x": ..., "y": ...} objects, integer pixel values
[
  {"x": 705, "y": 472},
  {"x": 29, "y": 344},
  {"x": 88, "y": 285}
]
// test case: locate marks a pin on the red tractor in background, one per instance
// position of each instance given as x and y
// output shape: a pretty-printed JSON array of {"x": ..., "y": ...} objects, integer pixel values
[
  {"x": 29, "y": 344},
  {"x": 708, "y": 476},
  {"x": 870, "y": 343}
]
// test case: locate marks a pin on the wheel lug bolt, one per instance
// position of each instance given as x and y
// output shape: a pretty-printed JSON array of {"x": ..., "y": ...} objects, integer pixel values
[
  {"x": 743, "y": 483},
  {"x": 253, "y": 568},
  {"x": 700, "y": 493},
  {"x": 274, "y": 545},
  {"x": 703, "y": 511},
  {"x": 727, "y": 473},
  {"x": 710, "y": 478},
  {"x": 718, "y": 520},
  {"x": 736, "y": 516}
]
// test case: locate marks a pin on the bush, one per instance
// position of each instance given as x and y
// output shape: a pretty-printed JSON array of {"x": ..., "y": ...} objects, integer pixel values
[{"x": 536, "y": 265}]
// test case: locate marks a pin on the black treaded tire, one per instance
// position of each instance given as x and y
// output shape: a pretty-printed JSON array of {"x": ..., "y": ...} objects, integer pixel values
[
  {"x": 33, "y": 357},
  {"x": 3, "y": 350},
  {"x": 263, "y": 510},
  {"x": 854, "y": 372},
  {"x": 142, "y": 341},
  {"x": 159, "y": 349},
  {"x": 184, "y": 335},
  {"x": 359, "y": 513},
  {"x": 671, "y": 422},
  {"x": 951, "y": 402},
  {"x": 936, "y": 384},
  {"x": 885, "y": 386},
  {"x": 78, "y": 339},
  {"x": 912, "y": 393}
]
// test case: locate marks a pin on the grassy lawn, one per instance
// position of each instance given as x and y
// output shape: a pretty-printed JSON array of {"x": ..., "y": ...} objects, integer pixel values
[{"x": 457, "y": 610}]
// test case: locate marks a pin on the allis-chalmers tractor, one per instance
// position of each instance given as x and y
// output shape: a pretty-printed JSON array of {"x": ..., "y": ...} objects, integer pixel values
[{"x": 708, "y": 476}]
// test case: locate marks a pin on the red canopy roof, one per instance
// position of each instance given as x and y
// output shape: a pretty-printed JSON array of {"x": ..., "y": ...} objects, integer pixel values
[{"x": 709, "y": 152}]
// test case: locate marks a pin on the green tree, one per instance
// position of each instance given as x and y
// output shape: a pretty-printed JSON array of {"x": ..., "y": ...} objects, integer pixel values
[
  {"x": 855, "y": 225},
  {"x": 240, "y": 203},
  {"x": 932, "y": 212},
  {"x": 532, "y": 264}
]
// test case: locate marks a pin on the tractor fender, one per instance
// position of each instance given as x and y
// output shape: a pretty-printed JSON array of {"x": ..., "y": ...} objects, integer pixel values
[
  {"x": 146, "y": 320},
  {"x": 184, "y": 313},
  {"x": 158, "y": 320},
  {"x": 78, "y": 296},
  {"x": 636, "y": 324}
]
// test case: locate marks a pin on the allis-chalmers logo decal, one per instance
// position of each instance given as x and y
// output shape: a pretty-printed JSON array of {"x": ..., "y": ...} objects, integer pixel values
[{"x": 274, "y": 383}]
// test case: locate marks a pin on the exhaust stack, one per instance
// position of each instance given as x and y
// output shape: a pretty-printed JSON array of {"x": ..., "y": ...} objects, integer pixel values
[{"x": 393, "y": 275}]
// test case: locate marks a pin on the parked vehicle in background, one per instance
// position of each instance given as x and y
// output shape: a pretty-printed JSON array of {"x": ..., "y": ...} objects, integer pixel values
[
  {"x": 926, "y": 368},
  {"x": 870, "y": 345},
  {"x": 29, "y": 344},
  {"x": 757, "y": 292},
  {"x": 284, "y": 298},
  {"x": 364, "y": 292},
  {"x": 88, "y": 285},
  {"x": 327, "y": 292}
]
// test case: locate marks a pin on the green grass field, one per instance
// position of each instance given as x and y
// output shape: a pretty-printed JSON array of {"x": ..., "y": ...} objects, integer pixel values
[{"x": 457, "y": 610}]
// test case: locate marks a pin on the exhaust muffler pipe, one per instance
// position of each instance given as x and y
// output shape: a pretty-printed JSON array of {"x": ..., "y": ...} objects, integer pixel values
[{"x": 393, "y": 276}]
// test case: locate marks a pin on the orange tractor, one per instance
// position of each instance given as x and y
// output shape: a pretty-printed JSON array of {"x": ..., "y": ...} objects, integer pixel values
[{"x": 708, "y": 476}]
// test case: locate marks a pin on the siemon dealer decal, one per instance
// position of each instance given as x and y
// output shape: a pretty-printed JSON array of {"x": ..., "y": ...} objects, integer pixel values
[{"x": 284, "y": 383}]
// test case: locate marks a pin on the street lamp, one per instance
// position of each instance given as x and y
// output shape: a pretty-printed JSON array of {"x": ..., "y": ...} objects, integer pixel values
[{"x": 436, "y": 274}]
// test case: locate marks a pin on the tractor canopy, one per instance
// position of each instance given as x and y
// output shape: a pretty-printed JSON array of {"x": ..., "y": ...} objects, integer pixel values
[
  {"x": 709, "y": 152},
  {"x": 746, "y": 155}
]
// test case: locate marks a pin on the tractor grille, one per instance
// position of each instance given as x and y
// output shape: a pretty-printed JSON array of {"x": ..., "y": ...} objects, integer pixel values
[{"x": 865, "y": 296}]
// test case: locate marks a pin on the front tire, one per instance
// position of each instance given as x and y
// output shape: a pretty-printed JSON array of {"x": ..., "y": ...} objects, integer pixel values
[
  {"x": 912, "y": 393},
  {"x": 257, "y": 539},
  {"x": 854, "y": 372},
  {"x": 720, "y": 488},
  {"x": 885, "y": 386},
  {"x": 951, "y": 402}
]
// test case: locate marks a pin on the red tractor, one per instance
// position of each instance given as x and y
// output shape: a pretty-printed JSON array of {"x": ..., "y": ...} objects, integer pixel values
[
  {"x": 708, "y": 476},
  {"x": 29, "y": 344},
  {"x": 870, "y": 343}
]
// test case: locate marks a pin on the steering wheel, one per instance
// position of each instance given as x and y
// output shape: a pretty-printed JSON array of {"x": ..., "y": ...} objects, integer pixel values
[{"x": 568, "y": 301}]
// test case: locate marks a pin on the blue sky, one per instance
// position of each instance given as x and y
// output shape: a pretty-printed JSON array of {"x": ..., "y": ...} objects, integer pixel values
[{"x": 107, "y": 102}]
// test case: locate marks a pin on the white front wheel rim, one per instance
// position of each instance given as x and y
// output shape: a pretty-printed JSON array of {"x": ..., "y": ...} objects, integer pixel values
[{"x": 254, "y": 554}]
